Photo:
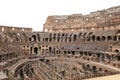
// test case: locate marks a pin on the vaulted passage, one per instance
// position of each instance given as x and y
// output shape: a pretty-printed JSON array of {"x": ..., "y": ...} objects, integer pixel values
[{"x": 36, "y": 50}]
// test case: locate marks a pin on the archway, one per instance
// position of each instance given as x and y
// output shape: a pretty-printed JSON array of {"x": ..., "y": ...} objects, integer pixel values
[
  {"x": 109, "y": 38},
  {"x": 74, "y": 37},
  {"x": 88, "y": 67},
  {"x": 115, "y": 38},
  {"x": 50, "y": 49},
  {"x": 34, "y": 37},
  {"x": 93, "y": 38},
  {"x": 103, "y": 38},
  {"x": 98, "y": 38},
  {"x": 94, "y": 68},
  {"x": 36, "y": 50},
  {"x": 116, "y": 51}
]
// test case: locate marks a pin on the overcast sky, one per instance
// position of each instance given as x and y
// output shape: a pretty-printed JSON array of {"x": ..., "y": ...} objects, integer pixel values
[{"x": 33, "y": 13}]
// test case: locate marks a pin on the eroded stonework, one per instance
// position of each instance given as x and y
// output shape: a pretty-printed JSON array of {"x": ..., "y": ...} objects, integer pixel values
[
  {"x": 70, "y": 47},
  {"x": 100, "y": 20}
]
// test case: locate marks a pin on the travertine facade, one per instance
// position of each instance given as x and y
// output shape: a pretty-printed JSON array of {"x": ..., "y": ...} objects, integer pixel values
[
  {"x": 100, "y": 20},
  {"x": 71, "y": 47}
]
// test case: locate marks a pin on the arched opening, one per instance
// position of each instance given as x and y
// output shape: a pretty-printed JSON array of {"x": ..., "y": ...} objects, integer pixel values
[
  {"x": 87, "y": 38},
  {"x": 46, "y": 39},
  {"x": 50, "y": 49},
  {"x": 62, "y": 37},
  {"x": 108, "y": 56},
  {"x": 103, "y": 38},
  {"x": 70, "y": 39},
  {"x": 94, "y": 68},
  {"x": 109, "y": 38},
  {"x": 81, "y": 53},
  {"x": 58, "y": 39},
  {"x": 47, "y": 61},
  {"x": 74, "y": 37},
  {"x": 115, "y": 38},
  {"x": 30, "y": 39},
  {"x": 34, "y": 38},
  {"x": 88, "y": 67},
  {"x": 73, "y": 52},
  {"x": 54, "y": 36},
  {"x": 98, "y": 38},
  {"x": 36, "y": 50},
  {"x": 93, "y": 38},
  {"x": 79, "y": 35},
  {"x": 116, "y": 51},
  {"x": 63, "y": 34}
]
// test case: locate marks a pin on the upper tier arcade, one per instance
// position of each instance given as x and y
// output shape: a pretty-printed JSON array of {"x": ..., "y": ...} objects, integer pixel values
[
  {"x": 108, "y": 19},
  {"x": 14, "y": 29}
]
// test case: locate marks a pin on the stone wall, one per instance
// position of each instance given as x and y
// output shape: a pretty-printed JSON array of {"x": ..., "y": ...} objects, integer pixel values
[
  {"x": 108, "y": 19},
  {"x": 15, "y": 29}
]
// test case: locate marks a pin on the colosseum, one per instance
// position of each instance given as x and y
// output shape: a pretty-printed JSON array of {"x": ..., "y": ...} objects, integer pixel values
[{"x": 70, "y": 47}]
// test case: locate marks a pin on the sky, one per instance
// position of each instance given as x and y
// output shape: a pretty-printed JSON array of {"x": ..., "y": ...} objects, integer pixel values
[{"x": 33, "y": 13}]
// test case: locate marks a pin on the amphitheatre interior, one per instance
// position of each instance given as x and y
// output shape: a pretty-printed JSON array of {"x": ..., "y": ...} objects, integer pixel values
[{"x": 70, "y": 47}]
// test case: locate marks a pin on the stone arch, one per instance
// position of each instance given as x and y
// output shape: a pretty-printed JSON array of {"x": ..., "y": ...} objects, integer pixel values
[
  {"x": 115, "y": 38},
  {"x": 79, "y": 35},
  {"x": 46, "y": 39},
  {"x": 103, "y": 38},
  {"x": 109, "y": 38},
  {"x": 36, "y": 50},
  {"x": 47, "y": 61},
  {"x": 94, "y": 68},
  {"x": 100, "y": 69},
  {"x": 81, "y": 53},
  {"x": 88, "y": 38},
  {"x": 116, "y": 51},
  {"x": 73, "y": 52},
  {"x": 90, "y": 33},
  {"x": 50, "y": 49},
  {"x": 98, "y": 38},
  {"x": 93, "y": 38},
  {"x": 88, "y": 67},
  {"x": 54, "y": 36},
  {"x": 58, "y": 37},
  {"x": 30, "y": 39},
  {"x": 63, "y": 34},
  {"x": 108, "y": 56},
  {"x": 106, "y": 71},
  {"x": 34, "y": 37},
  {"x": 74, "y": 37}
]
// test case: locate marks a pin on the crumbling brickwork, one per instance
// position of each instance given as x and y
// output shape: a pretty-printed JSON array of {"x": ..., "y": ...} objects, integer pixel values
[{"x": 70, "y": 47}]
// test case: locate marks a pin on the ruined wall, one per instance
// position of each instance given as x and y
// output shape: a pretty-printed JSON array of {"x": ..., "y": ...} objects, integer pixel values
[
  {"x": 15, "y": 29},
  {"x": 108, "y": 19}
]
